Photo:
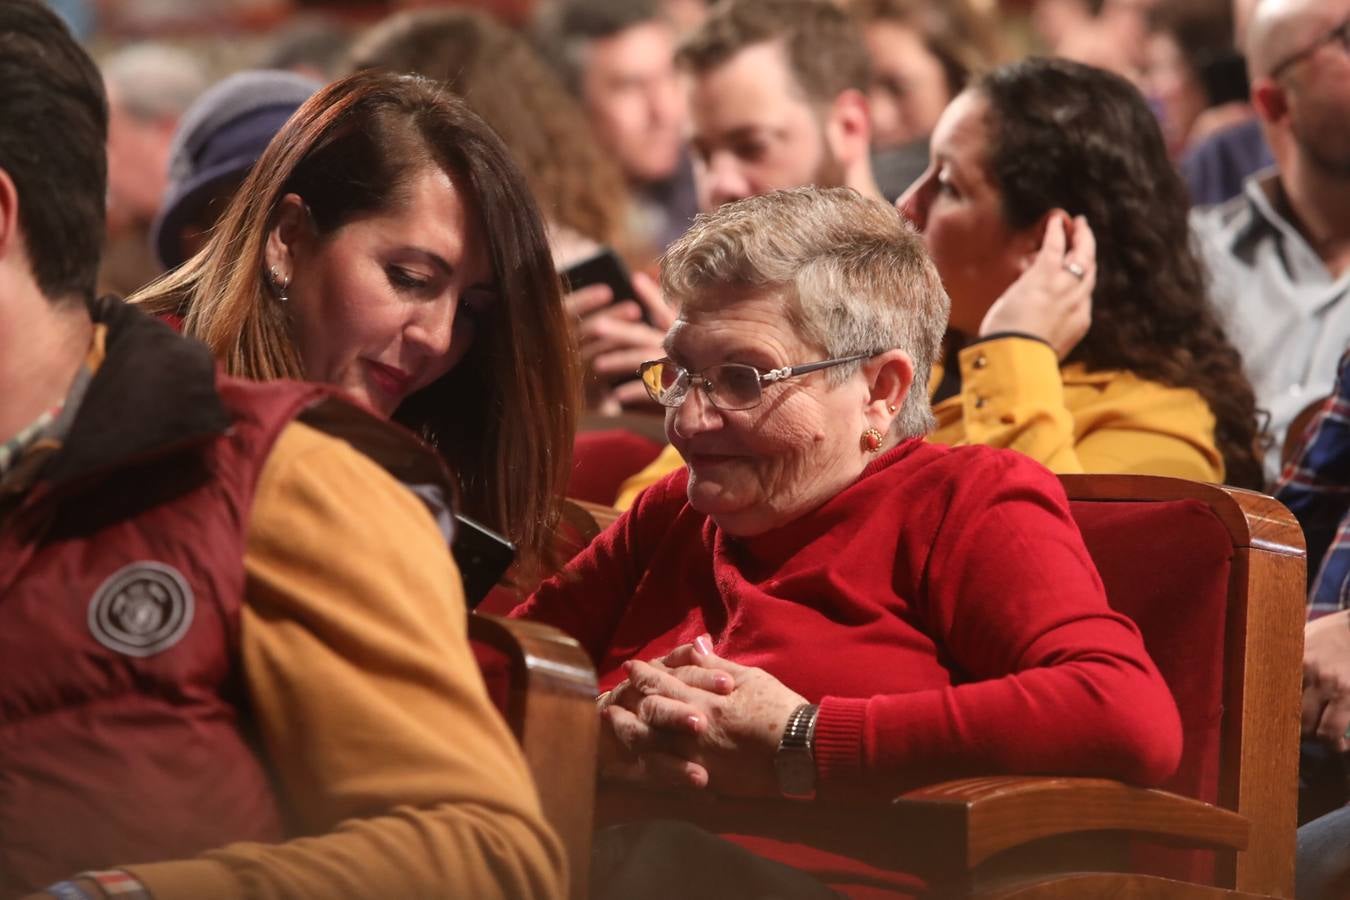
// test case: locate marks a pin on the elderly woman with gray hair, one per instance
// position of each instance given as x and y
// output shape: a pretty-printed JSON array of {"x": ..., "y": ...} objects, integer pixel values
[{"x": 835, "y": 608}]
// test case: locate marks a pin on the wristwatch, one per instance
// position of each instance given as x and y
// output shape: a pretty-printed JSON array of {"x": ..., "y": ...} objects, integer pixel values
[{"x": 795, "y": 761}]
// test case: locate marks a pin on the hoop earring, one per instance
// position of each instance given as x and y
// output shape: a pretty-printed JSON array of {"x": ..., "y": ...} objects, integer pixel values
[
  {"x": 279, "y": 284},
  {"x": 871, "y": 440}
]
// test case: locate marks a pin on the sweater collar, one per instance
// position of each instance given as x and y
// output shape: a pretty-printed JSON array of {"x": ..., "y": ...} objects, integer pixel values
[
  {"x": 785, "y": 540},
  {"x": 154, "y": 392}
]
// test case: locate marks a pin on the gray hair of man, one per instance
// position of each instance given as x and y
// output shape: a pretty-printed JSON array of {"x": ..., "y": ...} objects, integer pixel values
[
  {"x": 853, "y": 275},
  {"x": 154, "y": 81}
]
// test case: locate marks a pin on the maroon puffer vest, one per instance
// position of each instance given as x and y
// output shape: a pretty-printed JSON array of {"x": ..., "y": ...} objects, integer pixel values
[{"x": 123, "y": 736}]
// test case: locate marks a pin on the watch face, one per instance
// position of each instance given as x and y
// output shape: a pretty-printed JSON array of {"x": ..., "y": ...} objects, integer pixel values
[{"x": 796, "y": 772}]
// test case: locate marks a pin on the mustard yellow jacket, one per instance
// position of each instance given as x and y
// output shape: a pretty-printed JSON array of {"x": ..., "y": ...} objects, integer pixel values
[{"x": 1015, "y": 394}]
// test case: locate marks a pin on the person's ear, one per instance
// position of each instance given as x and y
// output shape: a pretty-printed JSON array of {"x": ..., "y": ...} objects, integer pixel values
[
  {"x": 890, "y": 378},
  {"x": 1269, "y": 100},
  {"x": 291, "y": 231},
  {"x": 1027, "y": 242},
  {"x": 9, "y": 217},
  {"x": 848, "y": 127}
]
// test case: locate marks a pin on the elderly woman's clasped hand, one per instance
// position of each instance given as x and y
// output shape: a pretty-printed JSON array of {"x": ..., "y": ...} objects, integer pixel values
[
  {"x": 1052, "y": 299},
  {"x": 693, "y": 719}
]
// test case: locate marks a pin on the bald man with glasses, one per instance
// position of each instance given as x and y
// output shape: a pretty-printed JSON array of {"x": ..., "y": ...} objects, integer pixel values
[{"x": 1280, "y": 253}]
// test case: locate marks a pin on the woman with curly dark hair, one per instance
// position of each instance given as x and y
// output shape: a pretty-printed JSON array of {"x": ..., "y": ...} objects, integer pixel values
[{"x": 1080, "y": 331}]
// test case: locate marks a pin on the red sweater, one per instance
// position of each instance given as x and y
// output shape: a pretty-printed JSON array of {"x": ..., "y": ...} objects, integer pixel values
[{"x": 942, "y": 610}]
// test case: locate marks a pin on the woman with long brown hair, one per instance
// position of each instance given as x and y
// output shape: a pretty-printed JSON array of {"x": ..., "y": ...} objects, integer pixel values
[{"x": 386, "y": 242}]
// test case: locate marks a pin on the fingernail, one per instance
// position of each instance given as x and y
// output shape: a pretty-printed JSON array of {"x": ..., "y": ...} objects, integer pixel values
[
  {"x": 703, "y": 644},
  {"x": 692, "y": 722},
  {"x": 723, "y": 682}
]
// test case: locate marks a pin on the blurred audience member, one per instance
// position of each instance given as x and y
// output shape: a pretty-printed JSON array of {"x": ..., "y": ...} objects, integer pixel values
[
  {"x": 618, "y": 57},
  {"x": 1216, "y": 166},
  {"x": 1089, "y": 343},
  {"x": 778, "y": 99},
  {"x": 313, "y": 45},
  {"x": 685, "y": 15},
  {"x": 1193, "y": 72},
  {"x": 385, "y": 242},
  {"x": 922, "y": 56},
  {"x": 149, "y": 87},
  {"x": 217, "y": 142},
  {"x": 222, "y": 629},
  {"x": 1316, "y": 488},
  {"x": 500, "y": 76},
  {"x": 1279, "y": 255},
  {"x": 1109, "y": 34}
]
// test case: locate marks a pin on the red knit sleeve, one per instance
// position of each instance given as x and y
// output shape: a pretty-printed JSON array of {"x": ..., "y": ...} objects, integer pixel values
[
  {"x": 1048, "y": 678},
  {"x": 587, "y": 599}
]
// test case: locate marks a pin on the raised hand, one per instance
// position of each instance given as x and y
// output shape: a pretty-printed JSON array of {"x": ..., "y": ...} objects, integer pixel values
[{"x": 1052, "y": 299}]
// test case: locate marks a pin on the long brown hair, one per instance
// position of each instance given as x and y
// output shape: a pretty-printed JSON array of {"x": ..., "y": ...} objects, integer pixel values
[
  {"x": 504, "y": 417},
  {"x": 1078, "y": 138}
]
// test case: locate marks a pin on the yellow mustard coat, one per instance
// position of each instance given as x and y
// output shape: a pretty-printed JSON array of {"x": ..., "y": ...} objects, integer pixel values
[{"x": 1015, "y": 394}]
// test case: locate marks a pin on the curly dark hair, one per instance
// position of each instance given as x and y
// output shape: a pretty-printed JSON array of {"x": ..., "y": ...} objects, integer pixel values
[{"x": 1069, "y": 136}]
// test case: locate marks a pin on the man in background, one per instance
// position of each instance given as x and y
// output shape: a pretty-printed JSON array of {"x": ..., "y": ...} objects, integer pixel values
[
  {"x": 618, "y": 57},
  {"x": 149, "y": 88},
  {"x": 1279, "y": 255}
]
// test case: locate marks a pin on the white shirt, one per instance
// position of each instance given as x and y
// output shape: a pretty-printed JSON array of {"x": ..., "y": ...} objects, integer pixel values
[{"x": 1281, "y": 306}]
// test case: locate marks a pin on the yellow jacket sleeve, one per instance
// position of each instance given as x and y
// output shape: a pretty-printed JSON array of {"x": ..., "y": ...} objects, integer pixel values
[
  {"x": 1014, "y": 394},
  {"x": 390, "y": 760}
]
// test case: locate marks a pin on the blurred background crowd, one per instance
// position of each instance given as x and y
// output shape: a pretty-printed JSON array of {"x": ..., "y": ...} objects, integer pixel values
[{"x": 587, "y": 94}]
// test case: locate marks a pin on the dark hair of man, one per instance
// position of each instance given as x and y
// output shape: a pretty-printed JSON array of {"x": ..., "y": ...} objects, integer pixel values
[
  {"x": 1069, "y": 136},
  {"x": 824, "y": 49},
  {"x": 563, "y": 30},
  {"x": 53, "y": 146}
]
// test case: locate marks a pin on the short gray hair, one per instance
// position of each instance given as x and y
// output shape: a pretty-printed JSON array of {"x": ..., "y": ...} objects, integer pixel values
[
  {"x": 854, "y": 276},
  {"x": 155, "y": 81}
]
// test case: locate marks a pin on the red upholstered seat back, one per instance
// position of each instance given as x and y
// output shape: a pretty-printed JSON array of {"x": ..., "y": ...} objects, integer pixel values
[
  {"x": 1166, "y": 565},
  {"x": 603, "y": 460}
]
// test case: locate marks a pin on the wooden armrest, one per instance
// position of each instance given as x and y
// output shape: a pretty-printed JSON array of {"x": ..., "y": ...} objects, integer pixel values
[
  {"x": 551, "y": 710},
  {"x": 989, "y": 815}
]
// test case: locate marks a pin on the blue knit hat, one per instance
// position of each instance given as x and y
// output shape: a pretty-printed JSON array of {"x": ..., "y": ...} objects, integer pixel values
[{"x": 219, "y": 138}]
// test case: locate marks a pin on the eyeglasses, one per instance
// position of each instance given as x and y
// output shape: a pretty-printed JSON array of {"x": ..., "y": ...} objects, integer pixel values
[
  {"x": 730, "y": 386},
  {"x": 1340, "y": 33}
]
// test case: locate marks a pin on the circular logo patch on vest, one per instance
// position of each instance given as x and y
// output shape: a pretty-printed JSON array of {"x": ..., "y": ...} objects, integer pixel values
[{"x": 142, "y": 609}]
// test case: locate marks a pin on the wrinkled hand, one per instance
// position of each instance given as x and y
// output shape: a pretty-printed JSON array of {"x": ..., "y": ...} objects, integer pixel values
[
  {"x": 1326, "y": 679},
  {"x": 614, "y": 340},
  {"x": 634, "y": 748},
  {"x": 1047, "y": 300},
  {"x": 724, "y": 718}
]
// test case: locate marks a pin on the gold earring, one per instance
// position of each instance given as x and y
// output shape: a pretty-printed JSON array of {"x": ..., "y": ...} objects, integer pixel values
[
  {"x": 871, "y": 440},
  {"x": 892, "y": 409}
]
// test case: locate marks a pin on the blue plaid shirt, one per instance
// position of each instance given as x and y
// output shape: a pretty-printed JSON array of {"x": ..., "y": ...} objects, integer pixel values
[{"x": 1315, "y": 486}]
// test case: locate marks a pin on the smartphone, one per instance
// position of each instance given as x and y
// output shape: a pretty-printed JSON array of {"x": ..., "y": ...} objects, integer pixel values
[
  {"x": 483, "y": 556},
  {"x": 604, "y": 268}
]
